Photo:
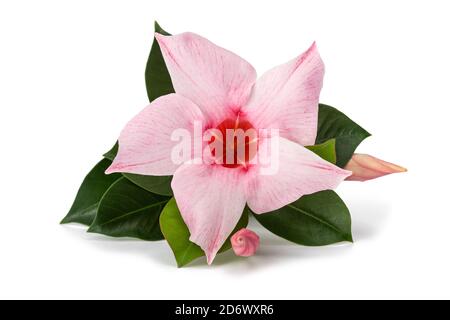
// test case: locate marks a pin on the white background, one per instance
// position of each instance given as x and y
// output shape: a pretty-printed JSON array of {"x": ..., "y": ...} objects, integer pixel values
[{"x": 71, "y": 76}]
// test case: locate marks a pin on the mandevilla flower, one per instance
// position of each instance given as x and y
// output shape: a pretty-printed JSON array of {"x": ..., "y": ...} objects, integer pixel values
[
  {"x": 245, "y": 242},
  {"x": 218, "y": 89},
  {"x": 365, "y": 167}
]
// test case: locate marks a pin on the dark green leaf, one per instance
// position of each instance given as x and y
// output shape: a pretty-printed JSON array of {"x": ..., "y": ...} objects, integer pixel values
[
  {"x": 314, "y": 220},
  {"x": 157, "y": 78},
  {"x": 158, "y": 83},
  {"x": 155, "y": 184},
  {"x": 333, "y": 124},
  {"x": 91, "y": 191},
  {"x": 326, "y": 150},
  {"x": 112, "y": 153},
  {"x": 161, "y": 30},
  {"x": 177, "y": 234},
  {"x": 126, "y": 210}
]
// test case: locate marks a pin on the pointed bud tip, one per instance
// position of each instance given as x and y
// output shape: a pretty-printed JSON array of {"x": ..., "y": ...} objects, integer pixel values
[{"x": 366, "y": 167}]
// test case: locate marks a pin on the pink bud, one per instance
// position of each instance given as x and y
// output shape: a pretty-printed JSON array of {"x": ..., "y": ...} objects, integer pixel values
[
  {"x": 366, "y": 167},
  {"x": 245, "y": 243}
]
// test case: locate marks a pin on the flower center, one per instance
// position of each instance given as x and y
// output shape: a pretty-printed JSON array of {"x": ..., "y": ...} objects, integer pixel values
[{"x": 233, "y": 143}]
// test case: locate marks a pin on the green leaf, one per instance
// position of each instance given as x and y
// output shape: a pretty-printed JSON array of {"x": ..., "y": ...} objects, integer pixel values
[
  {"x": 177, "y": 234},
  {"x": 333, "y": 124},
  {"x": 126, "y": 210},
  {"x": 157, "y": 77},
  {"x": 326, "y": 150},
  {"x": 95, "y": 184},
  {"x": 158, "y": 83},
  {"x": 112, "y": 153},
  {"x": 155, "y": 184},
  {"x": 314, "y": 220}
]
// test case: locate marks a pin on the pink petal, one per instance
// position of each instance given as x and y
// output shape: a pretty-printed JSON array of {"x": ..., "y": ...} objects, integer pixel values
[
  {"x": 287, "y": 98},
  {"x": 211, "y": 199},
  {"x": 300, "y": 172},
  {"x": 365, "y": 167},
  {"x": 217, "y": 80},
  {"x": 245, "y": 243},
  {"x": 145, "y": 144}
]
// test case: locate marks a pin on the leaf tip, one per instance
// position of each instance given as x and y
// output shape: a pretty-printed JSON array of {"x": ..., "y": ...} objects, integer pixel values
[
  {"x": 65, "y": 220},
  {"x": 69, "y": 218},
  {"x": 160, "y": 30},
  {"x": 92, "y": 229},
  {"x": 157, "y": 26},
  {"x": 182, "y": 262},
  {"x": 349, "y": 238}
]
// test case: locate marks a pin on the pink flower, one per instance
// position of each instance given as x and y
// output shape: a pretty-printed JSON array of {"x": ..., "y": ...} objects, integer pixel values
[
  {"x": 245, "y": 243},
  {"x": 365, "y": 167},
  {"x": 217, "y": 88}
]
